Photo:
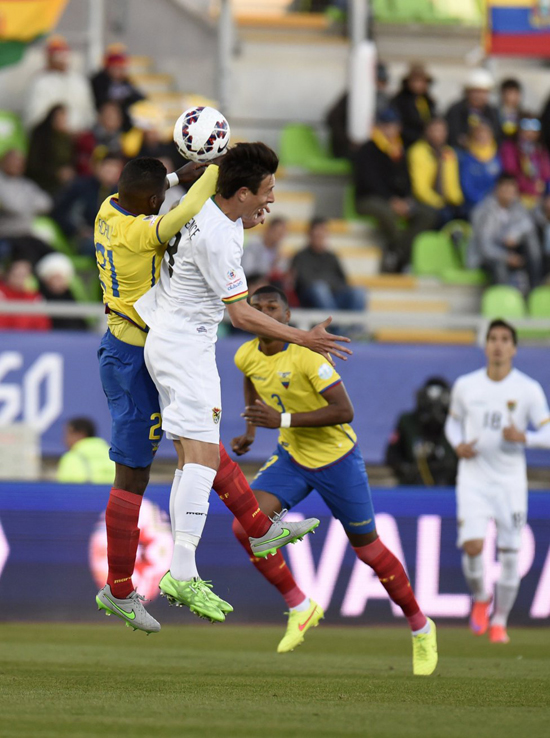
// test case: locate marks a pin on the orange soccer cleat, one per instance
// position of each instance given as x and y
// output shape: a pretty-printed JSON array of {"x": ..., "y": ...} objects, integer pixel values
[
  {"x": 498, "y": 634},
  {"x": 479, "y": 617}
]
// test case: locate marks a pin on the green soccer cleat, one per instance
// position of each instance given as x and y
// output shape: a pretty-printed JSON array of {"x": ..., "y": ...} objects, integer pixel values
[
  {"x": 128, "y": 609},
  {"x": 222, "y": 605},
  {"x": 298, "y": 625},
  {"x": 192, "y": 593},
  {"x": 279, "y": 534},
  {"x": 425, "y": 651}
]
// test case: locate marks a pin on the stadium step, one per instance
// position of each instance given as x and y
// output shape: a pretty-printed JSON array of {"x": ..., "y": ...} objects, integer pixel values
[
  {"x": 139, "y": 65},
  {"x": 151, "y": 82},
  {"x": 424, "y": 335}
]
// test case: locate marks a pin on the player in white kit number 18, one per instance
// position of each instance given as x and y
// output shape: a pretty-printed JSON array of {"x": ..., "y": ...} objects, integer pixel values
[{"x": 491, "y": 410}]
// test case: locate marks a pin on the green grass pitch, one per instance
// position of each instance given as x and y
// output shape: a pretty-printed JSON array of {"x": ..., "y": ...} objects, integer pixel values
[{"x": 208, "y": 680}]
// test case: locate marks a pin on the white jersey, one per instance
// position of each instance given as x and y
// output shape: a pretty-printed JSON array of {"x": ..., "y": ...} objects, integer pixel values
[
  {"x": 201, "y": 273},
  {"x": 485, "y": 408}
]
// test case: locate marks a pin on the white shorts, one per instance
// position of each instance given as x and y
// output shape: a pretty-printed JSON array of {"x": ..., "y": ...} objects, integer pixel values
[
  {"x": 477, "y": 505},
  {"x": 186, "y": 376}
]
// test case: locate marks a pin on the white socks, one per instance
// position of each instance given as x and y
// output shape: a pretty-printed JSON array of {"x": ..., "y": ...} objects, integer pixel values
[
  {"x": 507, "y": 586},
  {"x": 472, "y": 566},
  {"x": 173, "y": 493},
  {"x": 188, "y": 512},
  {"x": 302, "y": 607}
]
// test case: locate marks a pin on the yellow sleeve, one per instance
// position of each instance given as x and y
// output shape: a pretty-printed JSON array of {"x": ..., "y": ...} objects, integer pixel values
[
  {"x": 191, "y": 204},
  {"x": 419, "y": 167},
  {"x": 452, "y": 188},
  {"x": 320, "y": 373}
]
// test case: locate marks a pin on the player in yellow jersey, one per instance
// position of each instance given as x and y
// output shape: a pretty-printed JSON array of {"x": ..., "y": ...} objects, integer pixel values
[
  {"x": 130, "y": 242},
  {"x": 292, "y": 389}
]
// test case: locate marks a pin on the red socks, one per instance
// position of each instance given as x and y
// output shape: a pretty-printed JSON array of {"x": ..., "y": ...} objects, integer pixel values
[
  {"x": 273, "y": 568},
  {"x": 392, "y": 575},
  {"x": 121, "y": 519},
  {"x": 234, "y": 491}
]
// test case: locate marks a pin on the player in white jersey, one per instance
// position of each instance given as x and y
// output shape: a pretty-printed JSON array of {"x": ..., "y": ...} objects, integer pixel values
[
  {"x": 490, "y": 412},
  {"x": 201, "y": 275}
]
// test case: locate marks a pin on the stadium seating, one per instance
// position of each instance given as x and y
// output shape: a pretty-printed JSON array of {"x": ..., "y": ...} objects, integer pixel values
[
  {"x": 350, "y": 213},
  {"x": 502, "y": 301},
  {"x": 539, "y": 303},
  {"x": 300, "y": 147},
  {"x": 432, "y": 254}
]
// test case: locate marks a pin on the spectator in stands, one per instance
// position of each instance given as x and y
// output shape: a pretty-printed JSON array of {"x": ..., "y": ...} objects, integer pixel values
[
  {"x": 479, "y": 164},
  {"x": 57, "y": 84},
  {"x": 414, "y": 104},
  {"x": 50, "y": 162},
  {"x": 18, "y": 285},
  {"x": 87, "y": 460},
  {"x": 337, "y": 117},
  {"x": 112, "y": 84},
  {"x": 473, "y": 107},
  {"x": 106, "y": 134},
  {"x": 21, "y": 200},
  {"x": 504, "y": 239},
  {"x": 527, "y": 160},
  {"x": 418, "y": 451},
  {"x": 56, "y": 273},
  {"x": 509, "y": 108},
  {"x": 541, "y": 217},
  {"x": 262, "y": 259},
  {"x": 320, "y": 279},
  {"x": 383, "y": 190},
  {"x": 77, "y": 205},
  {"x": 433, "y": 168},
  {"x": 147, "y": 137}
]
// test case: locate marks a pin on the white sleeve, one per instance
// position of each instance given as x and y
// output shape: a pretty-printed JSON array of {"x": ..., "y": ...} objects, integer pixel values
[
  {"x": 453, "y": 431},
  {"x": 539, "y": 417},
  {"x": 220, "y": 263},
  {"x": 457, "y": 409}
]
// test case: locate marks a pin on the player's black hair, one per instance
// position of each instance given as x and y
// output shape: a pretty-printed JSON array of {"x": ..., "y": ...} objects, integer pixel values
[
  {"x": 82, "y": 425},
  {"x": 270, "y": 289},
  {"x": 143, "y": 176},
  {"x": 499, "y": 323},
  {"x": 510, "y": 84},
  {"x": 245, "y": 165},
  {"x": 504, "y": 177}
]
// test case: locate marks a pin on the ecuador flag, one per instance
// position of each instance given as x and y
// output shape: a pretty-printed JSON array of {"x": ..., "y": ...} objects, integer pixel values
[
  {"x": 518, "y": 27},
  {"x": 23, "y": 21}
]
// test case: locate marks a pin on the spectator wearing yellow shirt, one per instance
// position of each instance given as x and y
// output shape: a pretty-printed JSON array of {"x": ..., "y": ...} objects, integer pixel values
[
  {"x": 87, "y": 460},
  {"x": 434, "y": 173}
]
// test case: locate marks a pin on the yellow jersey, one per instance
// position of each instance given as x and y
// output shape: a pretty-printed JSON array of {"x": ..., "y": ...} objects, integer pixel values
[
  {"x": 129, "y": 250},
  {"x": 293, "y": 381}
]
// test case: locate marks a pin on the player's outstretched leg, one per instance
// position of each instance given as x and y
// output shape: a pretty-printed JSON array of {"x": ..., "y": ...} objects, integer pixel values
[
  {"x": 393, "y": 578},
  {"x": 303, "y": 612},
  {"x": 266, "y": 534},
  {"x": 192, "y": 593},
  {"x": 506, "y": 593},
  {"x": 472, "y": 568},
  {"x": 129, "y": 609}
]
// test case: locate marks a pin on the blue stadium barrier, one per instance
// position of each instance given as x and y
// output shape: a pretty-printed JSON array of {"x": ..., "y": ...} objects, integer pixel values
[
  {"x": 53, "y": 558},
  {"x": 46, "y": 378}
]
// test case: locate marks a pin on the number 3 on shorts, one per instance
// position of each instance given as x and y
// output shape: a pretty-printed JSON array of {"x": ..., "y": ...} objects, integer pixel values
[{"x": 154, "y": 432}]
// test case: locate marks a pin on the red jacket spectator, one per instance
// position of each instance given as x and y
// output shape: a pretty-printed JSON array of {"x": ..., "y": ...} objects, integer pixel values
[
  {"x": 527, "y": 160},
  {"x": 13, "y": 288}
]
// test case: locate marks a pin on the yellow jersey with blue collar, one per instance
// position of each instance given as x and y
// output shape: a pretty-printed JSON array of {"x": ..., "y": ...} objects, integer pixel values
[
  {"x": 293, "y": 381},
  {"x": 129, "y": 249}
]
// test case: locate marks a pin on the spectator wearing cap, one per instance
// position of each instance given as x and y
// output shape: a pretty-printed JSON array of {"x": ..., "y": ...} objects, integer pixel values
[
  {"x": 527, "y": 160},
  {"x": 17, "y": 285},
  {"x": 414, "y": 104},
  {"x": 58, "y": 84},
  {"x": 383, "y": 190},
  {"x": 473, "y": 107},
  {"x": 433, "y": 168},
  {"x": 112, "y": 83},
  {"x": 106, "y": 135},
  {"x": 337, "y": 117},
  {"x": 77, "y": 206},
  {"x": 509, "y": 108},
  {"x": 479, "y": 164},
  {"x": 56, "y": 272},
  {"x": 87, "y": 460}
]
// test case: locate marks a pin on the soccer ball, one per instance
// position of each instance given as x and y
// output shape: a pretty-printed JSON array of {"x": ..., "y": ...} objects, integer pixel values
[{"x": 201, "y": 134}]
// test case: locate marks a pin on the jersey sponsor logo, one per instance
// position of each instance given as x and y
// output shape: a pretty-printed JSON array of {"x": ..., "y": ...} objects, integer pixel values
[
  {"x": 216, "y": 414},
  {"x": 258, "y": 378},
  {"x": 325, "y": 371},
  {"x": 152, "y": 219},
  {"x": 234, "y": 285}
]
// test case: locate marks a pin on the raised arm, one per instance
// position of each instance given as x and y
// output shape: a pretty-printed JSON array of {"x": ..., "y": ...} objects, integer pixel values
[{"x": 191, "y": 204}]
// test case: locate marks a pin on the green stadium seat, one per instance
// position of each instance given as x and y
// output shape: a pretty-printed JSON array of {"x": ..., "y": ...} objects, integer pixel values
[
  {"x": 539, "y": 302},
  {"x": 433, "y": 254},
  {"x": 350, "y": 213},
  {"x": 502, "y": 301},
  {"x": 466, "y": 277},
  {"x": 12, "y": 134},
  {"x": 300, "y": 147},
  {"x": 48, "y": 231}
]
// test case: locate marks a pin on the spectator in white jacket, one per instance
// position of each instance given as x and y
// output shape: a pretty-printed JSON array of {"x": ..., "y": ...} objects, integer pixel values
[{"x": 58, "y": 84}]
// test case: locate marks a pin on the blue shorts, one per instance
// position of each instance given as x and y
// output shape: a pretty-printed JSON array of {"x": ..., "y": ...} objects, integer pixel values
[
  {"x": 133, "y": 402},
  {"x": 343, "y": 485}
]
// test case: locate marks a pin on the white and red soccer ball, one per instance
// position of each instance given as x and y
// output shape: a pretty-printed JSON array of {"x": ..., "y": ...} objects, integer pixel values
[{"x": 201, "y": 134}]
